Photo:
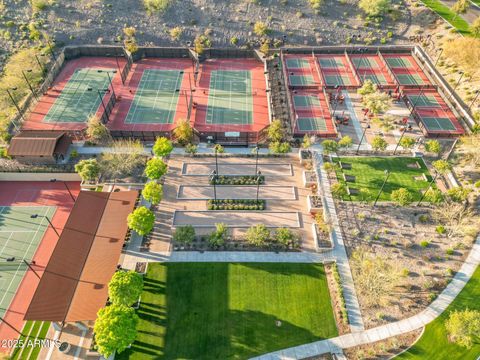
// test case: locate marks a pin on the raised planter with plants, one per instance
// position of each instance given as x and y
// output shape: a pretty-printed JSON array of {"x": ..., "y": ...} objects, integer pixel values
[
  {"x": 304, "y": 155},
  {"x": 236, "y": 204},
  {"x": 309, "y": 178},
  {"x": 314, "y": 204},
  {"x": 238, "y": 180}
]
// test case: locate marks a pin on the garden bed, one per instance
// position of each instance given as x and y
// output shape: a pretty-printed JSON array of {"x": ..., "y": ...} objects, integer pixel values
[
  {"x": 236, "y": 204},
  {"x": 314, "y": 204},
  {"x": 238, "y": 180},
  {"x": 309, "y": 178}
]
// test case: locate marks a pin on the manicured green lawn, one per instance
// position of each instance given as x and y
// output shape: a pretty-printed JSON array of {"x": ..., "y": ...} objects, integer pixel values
[
  {"x": 32, "y": 331},
  {"x": 444, "y": 11},
  {"x": 434, "y": 345},
  {"x": 369, "y": 175},
  {"x": 229, "y": 310}
]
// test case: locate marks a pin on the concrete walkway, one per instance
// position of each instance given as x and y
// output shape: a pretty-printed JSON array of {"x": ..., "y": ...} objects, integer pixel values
[
  {"x": 351, "y": 301},
  {"x": 436, "y": 308}
]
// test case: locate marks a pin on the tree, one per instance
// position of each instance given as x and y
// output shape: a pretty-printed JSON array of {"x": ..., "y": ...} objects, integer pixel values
[
  {"x": 463, "y": 327},
  {"x": 218, "y": 237},
  {"x": 379, "y": 143},
  {"x": 339, "y": 190},
  {"x": 285, "y": 236},
  {"x": 375, "y": 277},
  {"x": 377, "y": 102},
  {"x": 125, "y": 287},
  {"x": 260, "y": 28},
  {"x": 97, "y": 132},
  {"x": 275, "y": 131},
  {"x": 184, "y": 234},
  {"x": 162, "y": 147},
  {"x": 191, "y": 149},
  {"x": 441, "y": 166},
  {"x": 345, "y": 142},
  {"x": 88, "y": 169},
  {"x": 153, "y": 192},
  {"x": 433, "y": 146},
  {"x": 307, "y": 142},
  {"x": 201, "y": 42},
  {"x": 434, "y": 196},
  {"x": 257, "y": 235},
  {"x": 155, "y": 168},
  {"x": 374, "y": 7},
  {"x": 368, "y": 87},
  {"x": 454, "y": 216},
  {"x": 386, "y": 122},
  {"x": 141, "y": 220},
  {"x": 183, "y": 133},
  {"x": 402, "y": 197},
  {"x": 279, "y": 147},
  {"x": 329, "y": 147},
  {"x": 475, "y": 28},
  {"x": 460, "y": 7},
  {"x": 115, "y": 329},
  {"x": 407, "y": 142}
]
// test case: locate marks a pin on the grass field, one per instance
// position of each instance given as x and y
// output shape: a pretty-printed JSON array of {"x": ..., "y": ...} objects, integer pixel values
[
  {"x": 444, "y": 11},
  {"x": 369, "y": 176},
  {"x": 31, "y": 331},
  {"x": 434, "y": 345},
  {"x": 229, "y": 310}
]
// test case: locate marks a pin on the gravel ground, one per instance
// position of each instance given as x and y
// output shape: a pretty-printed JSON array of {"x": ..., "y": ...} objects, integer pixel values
[{"x": 92, "y": 21}]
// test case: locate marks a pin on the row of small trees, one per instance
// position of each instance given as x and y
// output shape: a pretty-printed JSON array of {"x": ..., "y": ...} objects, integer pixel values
[{"x": 116, "y": 325}]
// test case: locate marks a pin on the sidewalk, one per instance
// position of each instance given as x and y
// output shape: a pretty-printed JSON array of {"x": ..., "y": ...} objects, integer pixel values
[{"x": 436, "y": 308}]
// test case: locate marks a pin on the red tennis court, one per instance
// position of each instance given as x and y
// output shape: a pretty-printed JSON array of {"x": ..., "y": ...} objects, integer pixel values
[
  {"x": 312, "y": 114},
  {"x": 31, "y": 194},
  {"x": 302, "y": 71},
  {"x": 371, "y": 67},
  {"x": 336, "y": 71},
  {"x": 74, "y": 95},
  {"x": 406, "y": 70},
  {"x": 230, "y": 96},
  {"x": 155, "y": 96}
]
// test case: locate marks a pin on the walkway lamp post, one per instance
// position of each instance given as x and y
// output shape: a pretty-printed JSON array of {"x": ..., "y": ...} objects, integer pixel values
[
  {"x": 259, "y": 176},
  {"x": 28, "y": 82},
  {"x": 399, "y": 140},
  {"x": 34, "y": 216},
  {"x": 387, "y": 174},
  {"x": 66, "y": 187},
  {"x": 213, "y": 178},
  {"x": 256, "y": 160},
  {"x": 216, "y": 159},
  {"x": 428, "y": 188},
  {"x": 363, "y": 136}
]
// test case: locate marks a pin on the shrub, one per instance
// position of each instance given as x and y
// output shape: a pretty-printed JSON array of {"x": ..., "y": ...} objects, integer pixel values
[
  {"x": 424, "y": 243},
  {"x": 162, "y": 146},
  {"x": 218, "y": 237},
  {"x": 88, "y": 169},
  {"x": 379, "y": 143},
  {"x": 276, "y": 131},
  {"x": 184, "y": 234},
  {"x": 368, "y": 87},
  {"x": 285, "y": 236},
  {"x": 191, "y": 149},
  {"x": 440, "y": 229},
  {"x": 238, "y": 180},
  {"x": 433, "y": 146},
  {"x": 463, "y": 327},
  {"x": 183, "y": 133},
  {"x": 279, "y": 147},
  {"x": 152, "y": 6},
  {"x": 257, "y": 235},
  {"x": 316, "y": 4},
  {"x": 339, "y": 190},
  {"x": 176, "y": 32},
  {"x": 458, "y": 194},
  {"x": 402, "y": 197},
  {"x": 235, "y": 204},
  {"x": 260, "y": 29},
  {"x": 441, "y": 166},
  {"x": 449, "y": 251},
  {"x": 374, "y": 7},
  {"x": 201, "y": 42},
  {"x": 407, "y": 142}
]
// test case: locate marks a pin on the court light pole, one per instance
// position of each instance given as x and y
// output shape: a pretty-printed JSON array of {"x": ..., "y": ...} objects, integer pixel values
[
  {"x": 14, "y": 102},
  {"x": 428, "y": 188},
  {"x": 473, "y": 101},
  {"x": 456, "y": 85},
  {"x": 28, "y": 82},
  {"x": 34, "y": 216},
  {"x": 439, "y": 55},
  {"x": 109, "y": 80},
  {"x": 363, "y": 136},
  {"x": 387, "y": 173},
  {"x": 259, "y": 174},
  {"x": 66, "y": 186},
  {"x": 51, "y": 45},
  {"x": 399, "y": 140}
]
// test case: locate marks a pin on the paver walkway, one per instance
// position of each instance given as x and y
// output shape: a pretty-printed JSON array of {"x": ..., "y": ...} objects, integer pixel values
[
  {"x": 436, "y": 308},
  {"x": 351, "y": 301},
  {"x": 204, "y": 192}
]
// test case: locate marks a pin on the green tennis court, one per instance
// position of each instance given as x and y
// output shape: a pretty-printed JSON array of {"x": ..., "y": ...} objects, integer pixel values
[
  {"x": 79, "y": 99},
  {"x": 306, "y": 101},
  {"x": 424, "y": 101},
  {"x": 399, "y": 62},
  {"x": 375, "y": 78},
  {"x": 311, "y": 124},
  {"x": 334, "y": 80},
  {"x": 438, "y": 123},
  {"x": 297, "y": 64},
  {"x": 365, "y": 63},
  {"x": 410, "y": 79},
  {"x": 20, "y": 236},
  {"x": 156, "y": 98},
  {"x": 230, "y": 98},
  {"x": 301, "y": 80},
  {"x": 330, "y": 62}
]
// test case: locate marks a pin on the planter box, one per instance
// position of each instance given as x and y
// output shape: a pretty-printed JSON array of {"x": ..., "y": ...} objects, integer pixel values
[
  {"x": 314, "y": 204},
  {"x": 322, "y": 242},
  {"x": 309, "y": 178},
  {"x": 304, "y": 155}
]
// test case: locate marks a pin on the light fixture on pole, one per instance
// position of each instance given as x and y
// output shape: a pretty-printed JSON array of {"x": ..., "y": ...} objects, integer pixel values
[
  {"x": 399, "y": 140},
  {"x": 213, "y": 179},
  {"x": 28, "y": 82},
  {"x": 109, "y": 80},
  {"x": 14, "y": 102},
  {"x": 259, "y": 177},
  {"x": 387, "y": 174},
  {"x": 34, "y": 216},
  {"x": 256, "y": 161},
  {"x": 428, "y": 188},
  {"x": 66, "y": 186},
  {"x": 363, "y": 136}
]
